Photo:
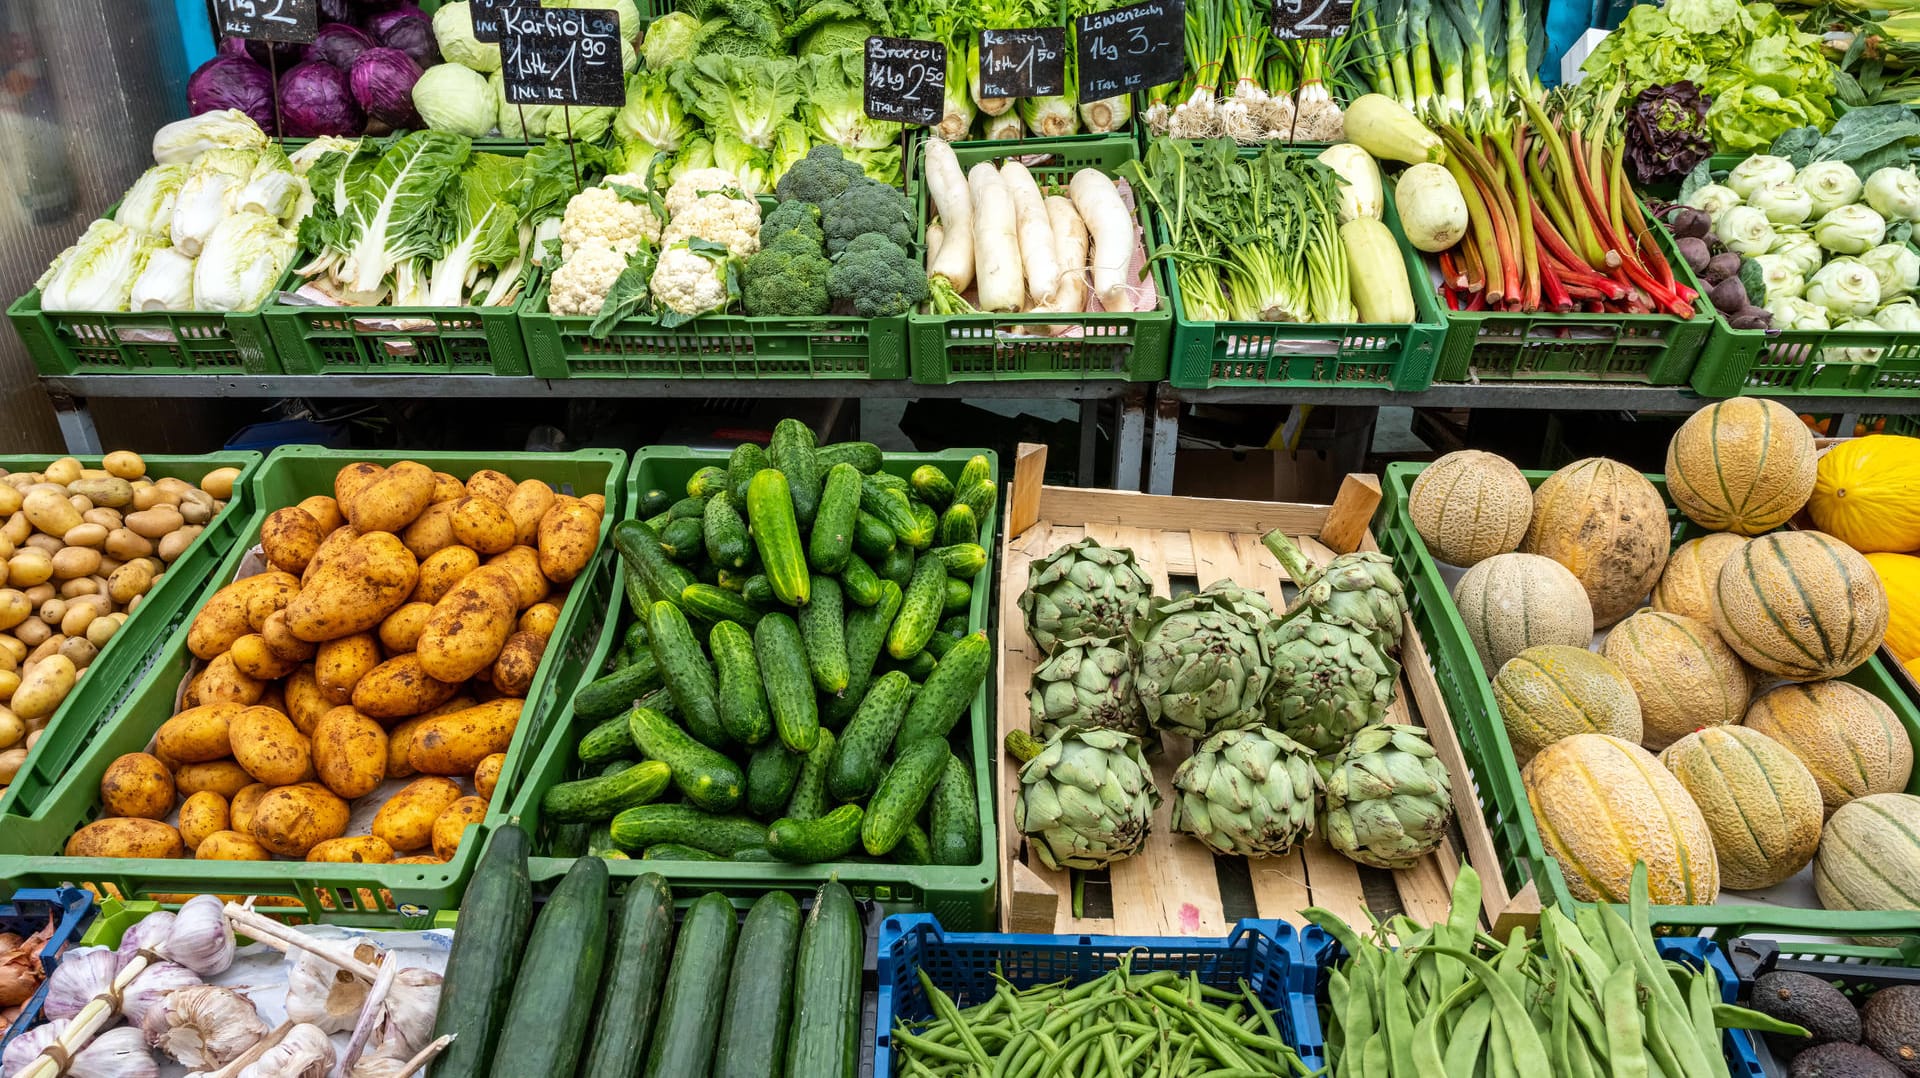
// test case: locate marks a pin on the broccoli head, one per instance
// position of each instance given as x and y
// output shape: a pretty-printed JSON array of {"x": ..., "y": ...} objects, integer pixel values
[
  {"x": 819, "y": 176},
  {"x": 866, "y": 207},
  {"x": 877, "y": 278},
  {"x": 793, "y": 218},
  {"x": 782, "y": 281}
]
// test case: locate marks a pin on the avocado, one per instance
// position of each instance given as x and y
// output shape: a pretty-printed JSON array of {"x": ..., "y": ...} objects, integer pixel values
[
  {"x": 1841, "y": 1060},
  {"x": 1805, "y": 1001},
  {"x": 1890, "y": 1024}
]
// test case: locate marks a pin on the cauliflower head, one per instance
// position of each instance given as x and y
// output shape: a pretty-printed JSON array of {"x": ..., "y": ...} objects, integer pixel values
[
  {"x": 581, "y": 284},
  {"x": 689, "y": 186},
  {"x": 690, "y": 281},
  {"x": 733, "y": 222},
  {"x": 599, "y": 215}
]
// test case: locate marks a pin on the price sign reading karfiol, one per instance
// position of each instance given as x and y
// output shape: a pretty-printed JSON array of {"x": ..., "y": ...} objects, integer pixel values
[
  {"x": 1299, "y": 20},
  {"x": 486, "y": 17},
  {"x": 906, "y": 80},
  {"x": 1029, "y": 62},
  {"x": 1131, "y": 48},
  {"x": 562, "y": 56},
  {"x": 267, "y": 20}
]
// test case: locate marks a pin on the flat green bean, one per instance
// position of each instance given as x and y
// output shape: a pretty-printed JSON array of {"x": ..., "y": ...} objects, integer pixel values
[
  {"x": 1463, "y": 1055},
  {"x": 1620, "y": 1006}
]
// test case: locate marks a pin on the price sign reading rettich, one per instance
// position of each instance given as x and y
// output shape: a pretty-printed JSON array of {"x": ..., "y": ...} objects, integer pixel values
[
  {"x": 267, "y": 20},
  {"x": 906, "y": 80},
  {"x": 486, "y": 18},
  {"x": 1297, "y": 20},
  {"x": 1131, "y": 48},
  {"x": 1029, "y": 62},
  {"x": 562, "y": 56}
]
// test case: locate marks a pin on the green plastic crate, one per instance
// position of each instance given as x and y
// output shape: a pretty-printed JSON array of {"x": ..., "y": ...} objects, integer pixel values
[
  {"x": 961, "y": 896},
  {"x": 1502, "y": 796},
  {"x": 397, "y": 340},
  {"x": 126, "y": 342},
  {"x": 120, "y": 665},
  {"x": 1807, "y": 363},
  {"x": 375, "y": 895},
  {"x": 1125, "y": 346}
]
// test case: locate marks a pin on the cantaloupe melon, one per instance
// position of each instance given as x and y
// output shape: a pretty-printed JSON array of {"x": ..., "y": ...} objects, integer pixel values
[
  {"x": 1470, "y": 505},
  {"x": 1743, "y": 465},
  {"x": 1512, "y": 602},
  {"x": 1685, "y": 676},
  {"x": 1606, "y": 523},
  {"x": 1800, "y": 605},
  {"x": 1554, "y": 691},
  {"x": 1692, "y": 575},
  {"x": 1870, "y": 855},
  {"x": 1867, "y": 493},
  {"x": 1850, "y": 740},
  {"x": 1601, "y": 804},
  {"x": 1758, "y": 799},
  {"x": 1900, "y": 578}
]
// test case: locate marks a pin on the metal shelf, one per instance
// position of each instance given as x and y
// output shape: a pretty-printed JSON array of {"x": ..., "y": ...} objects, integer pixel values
[{"x": 143, "y": 386}]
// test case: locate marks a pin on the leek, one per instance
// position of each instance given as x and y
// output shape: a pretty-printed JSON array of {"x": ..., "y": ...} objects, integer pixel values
[
  {"x": 1419, "y": 13},
  {"x": 1447, "y": 50}
]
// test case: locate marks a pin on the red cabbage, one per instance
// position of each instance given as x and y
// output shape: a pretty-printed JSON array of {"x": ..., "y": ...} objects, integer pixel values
[
  {"x": 232, "y": 82},
  {"x": 335, "y": 11},
  {"x": 382, "y": 81},
  {"x": 408, "y": 29},
  {"x": 316, "y": 99},
  {"x": 284, "y": 54},
  {"x": 340, "y": 45}
]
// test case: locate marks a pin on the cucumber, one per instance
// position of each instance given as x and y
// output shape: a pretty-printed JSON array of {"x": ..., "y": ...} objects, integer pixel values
[
  {"x": 725, "y": 533},
  {"x": 979, "y": 498},
  {"x": 919, "y": 667},
  {"x": 635, "y": 639},
  {"x": 742, "y": 701},
  {"x": 616, "y": 692},
  {"x": 753, "y": 1020},
  {"x": 776, "y": 532},
  {"x": 772, "y": 773},
  {"x": 824, "y": 1039},
  {"x": 955, "y": 626},
  {"x": 687, "y": 508},
  {"x": 604, "y": 798},
  {"x": 915, "y": 847},
  {"x": 958, "y": 525},
  {"x": 891, "y": 507},
  {"x": 927, "y": 522},
  {"x": 894, "y": 483},
  {"x": 707, "y": 482},
  {"x": 683, "y": 540},
  {"x": 687, "y": 673},
  {"x": 859, "y": 582},
  {"x": 481, "y": 967},
  {"x": 953, "y": 816},
  {"x": 676, "y": 851},
  {"x": 903, "y": 791},
  {"x": 712, "y": 603},
  {"x": 977, "y": 470},
  {"x": 940, "y": 643},
  {"x": 897, "y": 566},
  {"x": 600, "y": 842},
  {"x": 931, "y": 485},
  {"x": 809, "y": 798},
  {"x": 792, "y": 452},
  {"x": 866, "y": 636},
  {"x": 920, "y": 609},
  {"x": 689, "y": 1024},
  {"x": 553, "y": 994},
  {"x": 655, "y": 502},
  {"x": 957, "y": 596},
  {"x": 783, "y": 670},
  {"x": 864, "y": 456},
  {"x": 831, "y": 541},
  {"x": 710, "y": 780},
  {"x": 735, "y": 580},
  {"x": 612, "y": 740},
  {"x": 871, "y": 537},
  {"x": 746, "y": 460},
  {"x": 947, "y": 693},
  {"x": 816, "y": 841},
  {"x": 648, "y": 825},
  {"x": 646, "y": 563},
  {"x": 758, "y": 590},
  {"x": 864, "y": 744},
  {"x": 568, "y": 839},
  {"x": 963, "y": 560},
  {"x": 636, "y": 966},
  {"x": 823, "y": 631}
]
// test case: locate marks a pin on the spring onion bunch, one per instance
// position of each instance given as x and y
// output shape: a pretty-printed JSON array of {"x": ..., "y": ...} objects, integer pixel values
[{"x": 1244, "y": 84}]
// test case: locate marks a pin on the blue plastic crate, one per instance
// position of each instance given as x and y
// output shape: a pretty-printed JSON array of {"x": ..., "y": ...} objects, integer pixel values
[
  {"x": 1266, "y": 954},
  {"x": 27, "y": 912}
]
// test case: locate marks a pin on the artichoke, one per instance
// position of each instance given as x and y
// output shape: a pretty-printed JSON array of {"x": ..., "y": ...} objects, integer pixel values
[
  {"x": 1083, "y": 589},
  {"x": 1248, "y": 792},
  {"x": 1086, "y": 684},
  {"x": 1245, "y": 602},
  {"x": 1388, "y": 797},
  {"x": 1358, "y": 589},
  {"x": 1329, "y": 681},
  {"x": 1086, "y": 797},
  {"x": 1201, "y": 666}
]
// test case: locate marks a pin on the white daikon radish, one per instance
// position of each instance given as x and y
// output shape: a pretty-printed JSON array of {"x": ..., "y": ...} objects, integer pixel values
[
  {"x": 936, "y": 236},
  {"x": 997, "y": 273},
  {"x": 1070, "y": 251},
  {"x": 948, "y": 187},
  {"x": 1036, "y": 234},
  {"x": 1111, "y": 227}
]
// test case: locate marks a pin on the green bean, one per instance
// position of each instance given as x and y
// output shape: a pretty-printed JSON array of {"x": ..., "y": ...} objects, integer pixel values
[
  {"x": 931, "y": 1048},
  {"x": 1463, "y": 1052},
  {"x": 1620, "y": 1005},
  {"x": 1399, "y": 1020},
  {"x": 1728, "y": 1016},
  {"x": 916, "y": 1067},
  {"x": 1530, "y": 1056},
  {"x": 1500, "y": 1047},
  {"x": 944, "y": 1007},
  {"x": 1374, "y": 1059},
  {"x": 1660, "y": 1048}
]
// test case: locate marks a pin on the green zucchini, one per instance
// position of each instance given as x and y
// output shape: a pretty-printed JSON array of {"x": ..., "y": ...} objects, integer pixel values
[
  {"x": 486, "y": 957},
  {"x": 891, "y": 507},
  {"x": 742, "y": 700},
  {"x": 758, "y": 590},
  {"x": 872, "y": 539},
  {"x": 604, "y": 798},
  {"x": 710, "y": 602},
  {"x": 687, "y": 673},
  {"x": 866, "y": 636},
  {"x": 977, "y": 470},
  {"x": 649, "y": 825},
  {"x": 932, "y": 485},
  {"x": 920, "y": 609},
  {"x": 783, "y": 670},
  {"x": 655, "y": 502},
  {"x": 858, "y": 580},
  {"x": 725, "y": 533},
  {"x": 554, "y": 991},
  {"x": 915, "y": 847},
  {"x": 772, "y": 773},
  {"x": 897, "y": 566},
  {"x": 792, "y": 452},
  {"x": 709, "y": 779},
  {"x": 832, "y": 539},
  {"x": 957, "y": 596},
  {"x": 617, "y": 691},
  {"x": 816, "y": 841},
  {"x": 824, "y": 1039},
  {"x": 776, "y": 532},
  {"x": 753, "y": 1020},
  {"x": 746, "y": 461},
  {"x": 707, "y": 482},
  {"x": 864, "y": 744},
  {"x": 958, "y": 525},
  {"x": 809, "y": 798},
  {"x": 864, "y": 456},
  {"x": 903, "y": 791},
  {"x": 953, "y": 816},
  {"x": 963, "y": 560},
  {"x": 948, "y": 692},
  {"x": 823, "y": 631},
  {"x": 688, "y": 1027},
  {"x": 630, "y": 984},
  {"x": 647, "y": 565}
]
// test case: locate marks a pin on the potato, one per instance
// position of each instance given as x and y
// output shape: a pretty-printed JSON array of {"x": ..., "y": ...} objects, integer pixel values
[
  {"x": 75, "y": 562},
  {"x": 419, "y": 859},
  {"x": 136, "y": 784},
  {"x": 222, "y": 682},
  {"x": 530, "y": 501},
  {"x": 271, "y": 748},
  {"x": 469, "y": 625},
  {"x": 392, "y": 500},
  {"x": 32, "y": 632},
  {"x": 241, "y": 805},
  {"x": 483, "y": 525},
  {"x": 117, "y": 837},
  {"x": 10, "y": 499},
  {"x": 356, "y": 850},
  {"x": 130, "y": 580},
  {"x": 340, "y": 664},
  {"x": 513, "y": 671},
  {"x": 15, "y": 651},
  {"x": 491, "y": 485},
  {"x": 150, "y": 496},
  {"x": 281, "y": 641},
  {"x": 127, "y": 464},
  {"x": 568, "y": 535},
  {"x": 199, "y": 734},
  {"x": 50, "y": 512},
  {"x": 231, "y": 846},
  {"x": 539, "y": 618},
  {"x": 524, "y": 563},
  {"x": 101, "y": 630},
  {"x": 197, "y": 507},
  {"x": 454, "y": 744},
  {"x": 89, "y": 535},
  {"x": 12, "y": 760},
  {"x": 29, "y": 566},
  {"x": 442, "y": 570},
  {"x": 53, "y": 610},
  {"x": 401, "y": 630},
  {"x": 354, "y": 592},
  {"x": 42, "y": 688},
  {"x": 224, "y": 618},
  {"x": 108, "y": 493},
  {"x": 451, "y": 826},
  {"x": 125, "y": 545},
  {"x": 175, "y": 543},
  {"x": 79, "y": 615},
  {"x": 156, "y": 522},
  {"x": 289, "y": 537},
  {"x": 349, "y": 752},
  {"x": 201, "y": 815},
  {"x": 252, "y": 657},
  {"x": 338, "y": 542},
  {"x": 13, "y": 728},
  {"x": 92, "y": 584},
  {"x": 14, "y": 607},
  {"x": 50, "y": 646},
  {"x": 305, "y": 705},
  {"x": 17, "y": 528},
  {"x": 406, "y": 821},
  {"x": 400, "y": 746},
  {"x": 79, "y": 651},
  {"x": 292, "y": 820},
  {"x": 487, "y": 775},
  {"x": 447, "y": 488},
  {"x": 431, "y": 531},
  {"x": 353, "y": 479},
  {"x": 218, "y": 482},
  {"x": 400, "y": 688},
  {"x": 223, "y": 777}
]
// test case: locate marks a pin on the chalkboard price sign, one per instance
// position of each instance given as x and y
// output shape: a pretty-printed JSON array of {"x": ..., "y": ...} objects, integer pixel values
[
  {"x": 486, "y": 18},
  {"x": 1132, "y": 48},
  {"x": 562, "y": 56},
  {"x": 1030, "y": 62},
  {"x": 267, "y": 20},
  {"x": 906, "y": 80},
  {"x": 1298, "y": 20}
]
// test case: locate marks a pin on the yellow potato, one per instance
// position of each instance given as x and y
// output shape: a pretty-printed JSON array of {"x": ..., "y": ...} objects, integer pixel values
[
  {"x": 241, "y": 805},
  {"x": 75, "y": 562},
  {"x": 352, "y": 479},
  {"x": 281, "y": 641},
  {"x": 357, "y": 850},
  {"x": 175, "y": 543},
  {"x": 487, "y": 775},
  {"x": 64, "y": 470},
  {"x": 324, "y": 511},
  {"x": 289, "y": 537},
  {"x": 450, "y": 826},
  {"x": 483, "y": 525},
  {"x": 356, "y": 591},
  {"x": 340, "y": 664},
  {"x": 126, "y": 546},
  {"x": 519, "y": 659},
  {"x": 400, "y": 688},
  {"x": 218, "y": 482},
  {"x": 223, "y": 618},
  {"x": 119, "y": 837},
  {"x": 231, "y": 846},
  {"x": 50, "y": 512},
  {"x": 530, "y": 501},
  {"x": 292, "y": 820},
  {"x": 29, "y": 566},
  {"x": 107, "y": 493},
  {"x": 154, "y": 523},
  {"x": 442, "y": 570},
  {"x": 252, "y": 657},
  {"x": 223, "y": 777},
  {"x": 454, "y": 744},
  {"x": 271, "y": 748},
  {"x": 568, "y": 535},
  {"x": 12, "y": 728},
  {"x": 539, "y": 618},
  {"x": 401, "y": 630},
  {"x": 79, "y": 651},
  {"x": 338, "y": 542},
  {"x": 392, "y": 500},
  {"x": 129, "y": 581},
  {"x": 14, "y": 608},
  {"x": 400, "y": 745},
  {"x": 42, "y": 688},
  {"x": 305, "y": 705},
  {"x": 127, "y": 465},
  {"x": 524, "y": 563},
  {"x": 431, "y": 531},
  {"x": 447, "y": 488},
  {"x": 147, "y": 495},
  {"x": 201, "y": 815},
  {"x": 89, "y": 535},
  {"x": 222, "y": 682},
  {"x": 136, "y": 784},
  {"x": 419, "y": 859},
  {"x": 405, "y": 822},
  {"x": 349, "y": 752},
  {"x": 198, "y": 735},
  {"x": 469, "y": 625},
  {"x": 491, "y": 485}
]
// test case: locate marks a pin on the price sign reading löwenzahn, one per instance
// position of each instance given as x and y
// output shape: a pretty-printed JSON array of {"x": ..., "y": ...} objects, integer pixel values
[
  {"x": 906, "y": 80},
  {"x": 1298, "y": 20},
  {"x": 267, "y": 20},
  {"x": 486, "y": 17},
  {"x": 1030, "y": 62},
  {"x": 562, "y": 56},
  {"x": 1131, "y": 48}
]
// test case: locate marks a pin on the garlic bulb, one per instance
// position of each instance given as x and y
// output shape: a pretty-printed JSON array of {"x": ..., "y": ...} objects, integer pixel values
[
  {"x": 120, "y": 1052},
  {"x": 27, "y": 1046},
  {"x": 407, "y": 1025},
  {"x": 305, "y": 1052},
  {"x": 204, "y": 1026},
  {"x": 83, "y": 975},
  {"x": 149, "y": 933},
  {"x": 379, "y": 1066},
  {"x": 145, "y": 992},
  {"x": 201, "y": 938},
  {"x": 321, "y": 994}
]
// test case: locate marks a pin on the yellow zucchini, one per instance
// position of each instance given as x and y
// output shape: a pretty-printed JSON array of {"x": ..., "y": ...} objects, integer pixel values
[{"x": 1378, "y": 272}]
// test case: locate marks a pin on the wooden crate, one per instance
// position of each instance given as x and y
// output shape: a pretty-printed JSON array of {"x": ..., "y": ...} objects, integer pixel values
[{"x": 1171, "y": 888}]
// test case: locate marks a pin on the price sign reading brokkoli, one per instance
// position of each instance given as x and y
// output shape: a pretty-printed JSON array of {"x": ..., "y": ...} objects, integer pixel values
[
  {"x": 294, "y": 21},
  {"x": 906, "y": 80},
  {"x": 1131, "y": 48},
  {"x": 562, "y": 56}
]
